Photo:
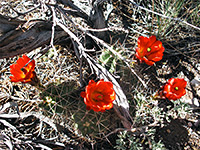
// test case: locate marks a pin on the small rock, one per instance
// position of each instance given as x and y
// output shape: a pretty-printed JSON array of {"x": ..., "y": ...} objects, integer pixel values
[{"x": 196, "y": 82}]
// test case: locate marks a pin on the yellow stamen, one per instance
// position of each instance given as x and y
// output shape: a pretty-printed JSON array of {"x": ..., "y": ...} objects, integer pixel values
[
  {"x": 176, "y": 88},
  {"x": 148, "y": 49},
  {"x": 100, "y": 97}
]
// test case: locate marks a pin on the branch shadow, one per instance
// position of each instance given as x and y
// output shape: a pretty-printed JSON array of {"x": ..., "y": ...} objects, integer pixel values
[{"x": 173, "y": 135}]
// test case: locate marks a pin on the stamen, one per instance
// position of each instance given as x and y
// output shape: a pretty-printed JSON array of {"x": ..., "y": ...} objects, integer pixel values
[
  {"x": 98, "y": 97},
  {"x": 148, "y": 49},
  {"x": 176, "y": 88}
]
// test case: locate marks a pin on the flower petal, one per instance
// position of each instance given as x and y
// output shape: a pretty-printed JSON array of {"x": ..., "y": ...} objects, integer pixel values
[
  {"x": 174, "y": 88},
  {"x": 99, "y": 96},
  {"x": 22, "y": 61},
  {"x": 21, "y": 71},
  {"x": 155, "y": 56},
  {"x": 149, "y": 50},
  {"x": 148, "y": 62},
  {"x": 142, "y": 41},
  {"x": 157, "y": 46},
  {"x": 83, "y": 94},
  {"x": 13, "y": 79}
]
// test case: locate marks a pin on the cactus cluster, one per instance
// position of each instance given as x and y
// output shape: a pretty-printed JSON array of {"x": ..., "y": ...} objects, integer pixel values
[{"x": 65, "y": 99}]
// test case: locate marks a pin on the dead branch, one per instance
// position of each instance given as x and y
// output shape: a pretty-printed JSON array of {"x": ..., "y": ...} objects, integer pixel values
[
  {"x": 19, "y": 37},
  {"x": 75, "y": 11},
  {"x": 8, "y": 24}
]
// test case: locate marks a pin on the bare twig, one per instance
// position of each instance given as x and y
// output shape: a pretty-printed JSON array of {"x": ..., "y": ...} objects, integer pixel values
[
  {"x": 24, "y": 13},
  {"x": 36, "y": 114},
  {"x": 8, "y": 105},
  {"x": 76, "y": 11},
  {"x": 105, "y": 29},
  {"x": 78, "y": 26},
  {"x": 53, "y": 31},
  {"x": 141, "y": 129},
  {"x": 7, "y": 124},
  {"x": 7, "y": 140}
]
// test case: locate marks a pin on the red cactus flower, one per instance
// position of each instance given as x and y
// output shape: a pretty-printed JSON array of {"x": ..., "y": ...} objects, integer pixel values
[
  {"x": 23, "y": 70},
  {"x": 174, "y": 88},
  {"x": 99, "y": 96},
  {"x": 149, "y": 50}
]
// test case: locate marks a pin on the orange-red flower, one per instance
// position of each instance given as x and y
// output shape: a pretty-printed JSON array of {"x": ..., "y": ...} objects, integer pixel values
[
  {"x": 23, "y": 70},
  {"x": 99, "y": 96},
  {"x": 174, "y": 88},
  {"x": 149, "y": 50}
]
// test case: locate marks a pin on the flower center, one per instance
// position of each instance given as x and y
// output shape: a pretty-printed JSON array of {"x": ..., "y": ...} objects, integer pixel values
[
  {"x": 148, "y": 49},
  {"x": 176, "y": 88},
  {"x": 24, "y": 70},
  {"x": 98, "y": 97}
]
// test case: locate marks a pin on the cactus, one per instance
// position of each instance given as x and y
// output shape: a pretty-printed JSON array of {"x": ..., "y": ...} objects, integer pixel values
[
  {"x": 65, "y": 99},
  {"x": 59, "y": 98},
  {"x": 94, "y": 124}
]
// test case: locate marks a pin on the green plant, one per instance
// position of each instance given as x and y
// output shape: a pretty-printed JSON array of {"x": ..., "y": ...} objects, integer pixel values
[
  {"x": 128, "y": 141},
  {"x": 111, "y": 62}
]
